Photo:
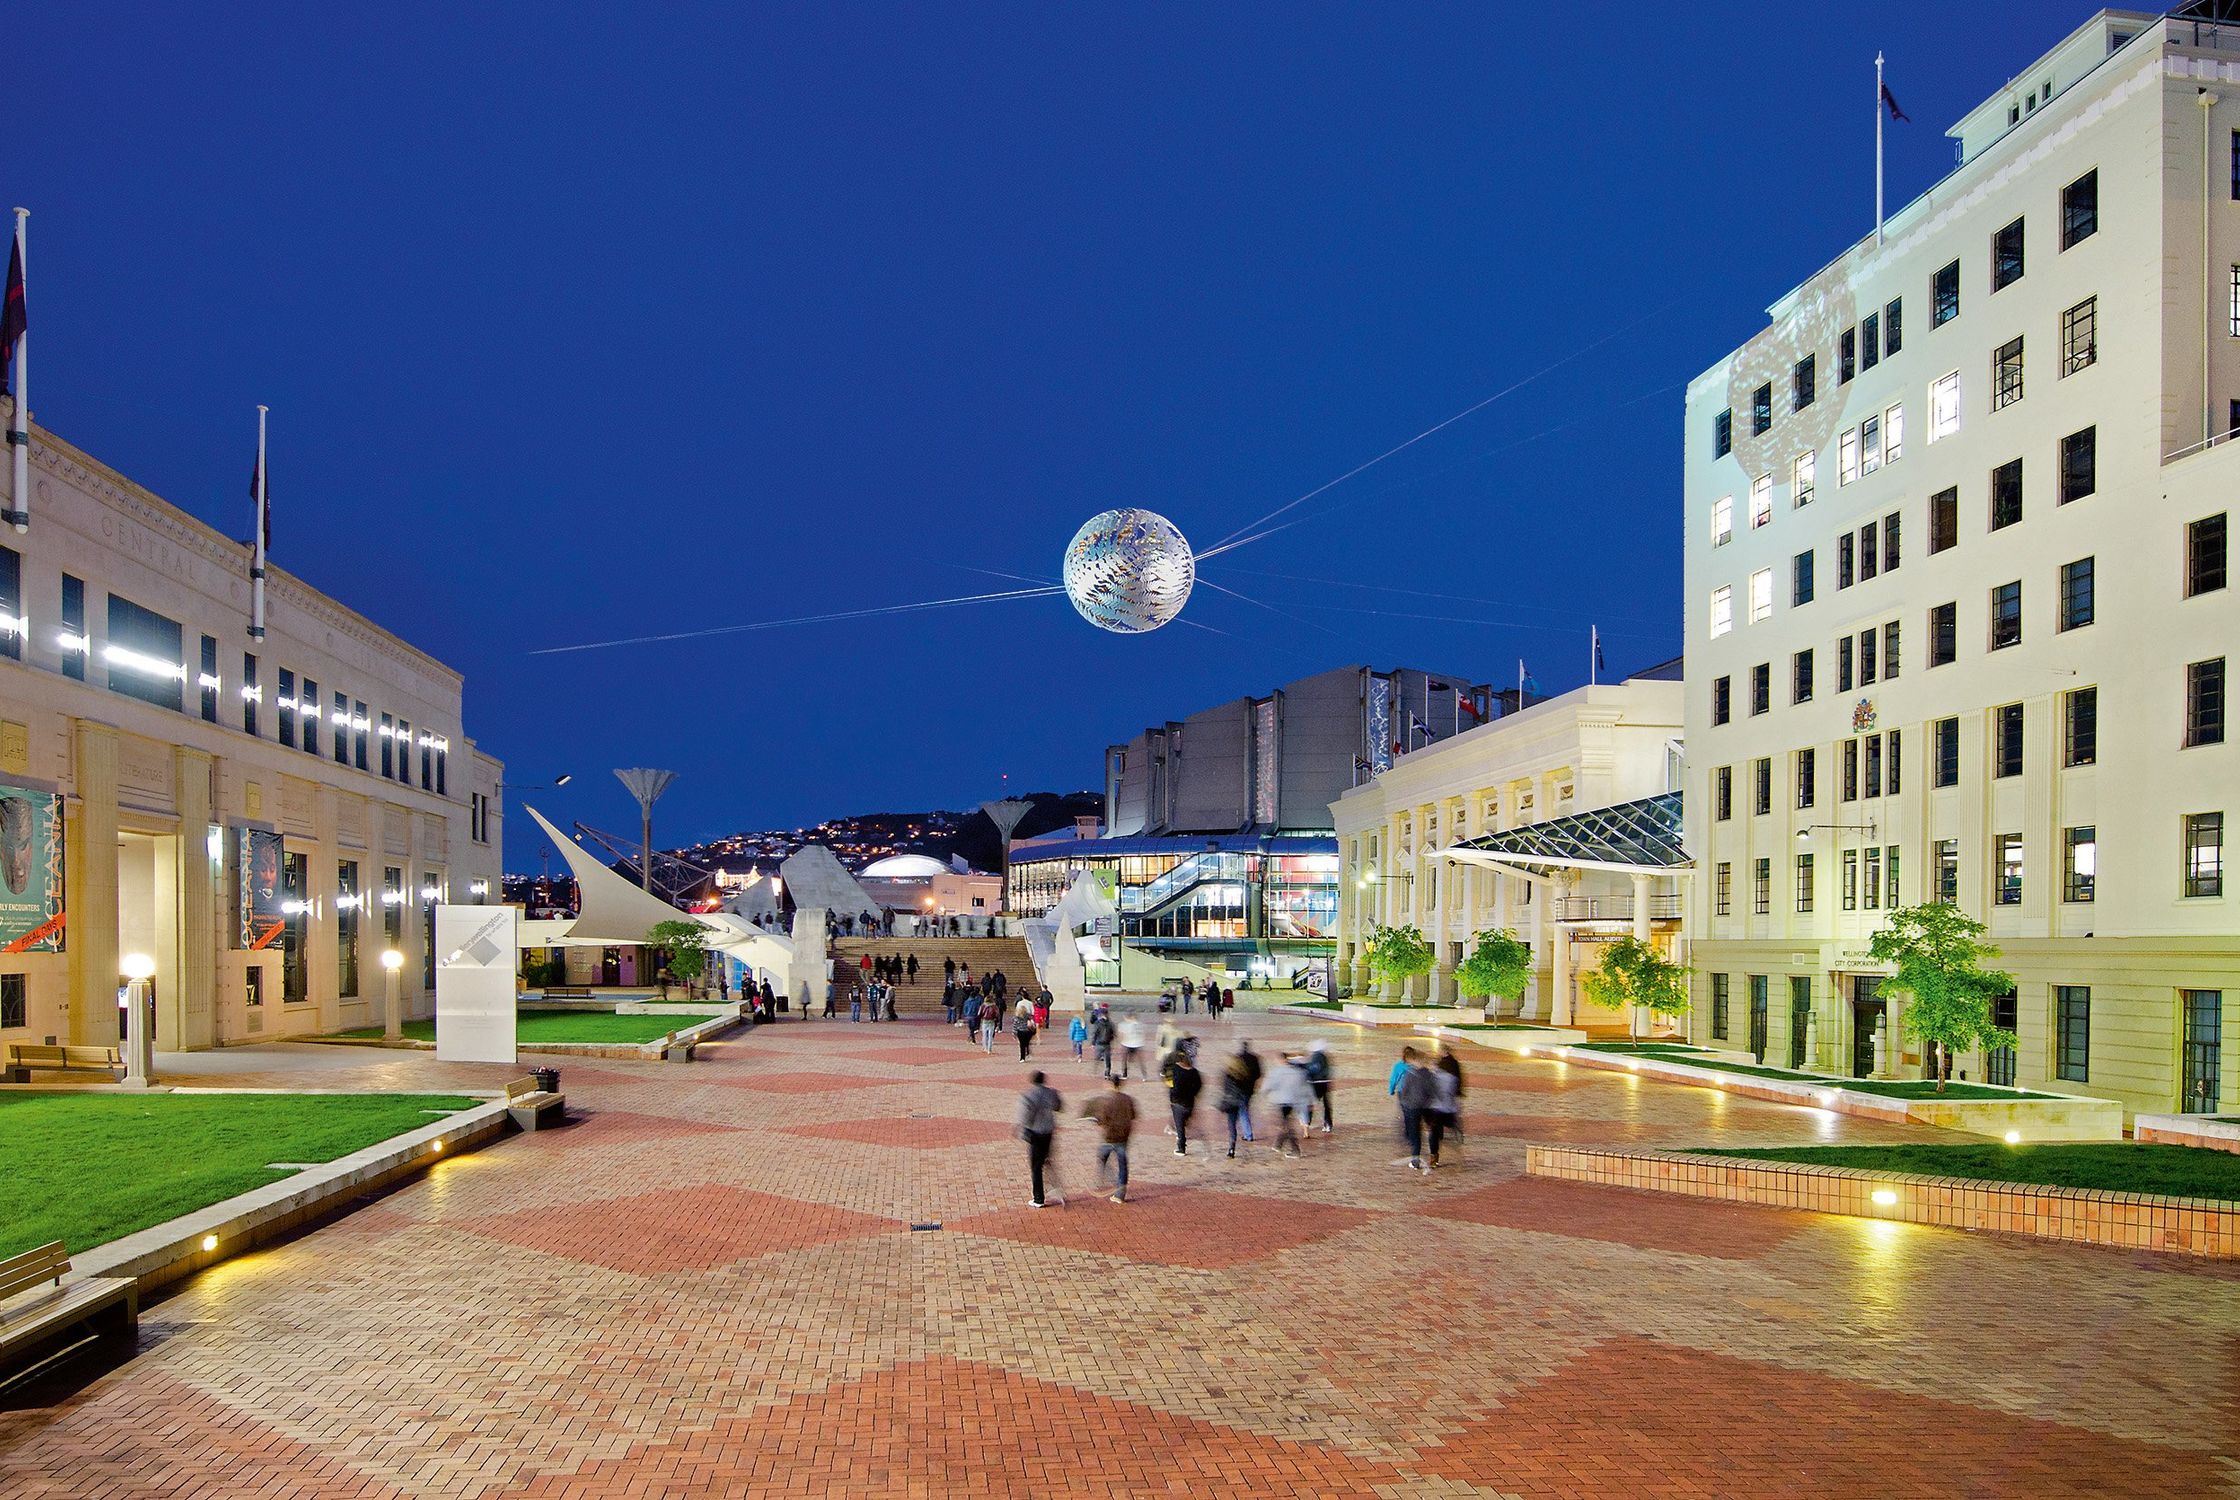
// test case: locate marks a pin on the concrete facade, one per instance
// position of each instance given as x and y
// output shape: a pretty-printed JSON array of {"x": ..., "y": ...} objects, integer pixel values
[{"x": 155, "y": 796}]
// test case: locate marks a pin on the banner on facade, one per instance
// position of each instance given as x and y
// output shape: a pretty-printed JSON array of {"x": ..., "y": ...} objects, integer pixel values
[
  {"x": 31, "y": 917},
  {"x": 257, "y": 887}
]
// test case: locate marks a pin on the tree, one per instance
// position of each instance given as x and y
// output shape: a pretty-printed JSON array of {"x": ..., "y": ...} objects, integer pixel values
[
  {"x": 1498, "y": 966},
  {"x": 1398, "y": 954},
  {"x": 683, "y": 946},
  {"x": 1635, "y": 977},
  {"x": 1938, "y": 962}
]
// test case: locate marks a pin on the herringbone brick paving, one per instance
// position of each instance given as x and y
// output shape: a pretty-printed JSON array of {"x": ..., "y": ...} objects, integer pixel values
[{"x": 710, "y": 1285}]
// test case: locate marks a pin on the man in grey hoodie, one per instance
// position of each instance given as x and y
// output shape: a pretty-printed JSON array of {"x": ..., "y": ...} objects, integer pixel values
[
  {"x": 1418, "y": 1094},
  {"x": 1038, "y": 1123}
]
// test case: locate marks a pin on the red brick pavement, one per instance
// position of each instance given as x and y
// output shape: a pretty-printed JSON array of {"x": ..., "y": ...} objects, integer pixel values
[{"x": 708, "y": 1285}]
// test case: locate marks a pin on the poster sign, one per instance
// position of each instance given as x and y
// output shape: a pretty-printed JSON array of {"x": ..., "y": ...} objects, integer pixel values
[
  {"x": 30, "y": 870},
  {"x": 478, "y": 951},
  {"x": 257, "y": 887}
]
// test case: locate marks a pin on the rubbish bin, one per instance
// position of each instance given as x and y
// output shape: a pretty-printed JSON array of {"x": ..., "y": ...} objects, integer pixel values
[{"x": 548, "y": 1080}]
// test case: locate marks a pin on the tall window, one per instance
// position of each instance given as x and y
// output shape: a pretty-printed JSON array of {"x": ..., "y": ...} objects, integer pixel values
[
  {"x": 1761, "y": 887},
  {"x": 2006, "y": 860},
  {"x": 1850, "y": 880},
  {"x": 1722, "y": 893},
  {"x": 1893, "y": 433},
  {"x": 388, "y": 746},
  {"x": 2080, "y": 464},
  {"x": 1945, "y": 869},
  {"x": 252, "y": 694},
  {"x": 1761, "y": 409},
  {"x": 146, "y": 653},
  {"x": 2205, "y": 555},
  {"x": 341, "y": 729},
  {"x": 295, "y": 887},
  {"x": 2072, "y": 1033},
  {"x": 1867, "y": 658},
  {"x": 1847, "y": 356},
  {"x": 2006, "y": 616},
  {"x": 1722, "y": 700},
  {"x": 1800, "y": 676},
  {"x": 1722, "y": 520},
  {"x": 2080, "y": 336},
  {"x": 1722, "y": 793},
  {"x": 2006, "y": 256},
  {"x": 1761, "y": 500},
  {"x": 1722, "y": 433},
  {"x": 1945, "y": 747},
  {"x": 1761, "y": 595},
  {"x": 1761, "y": 688},
  {"x": 1870, "y": 879},
  {"x": 1889, "y": 650},
  {"x": 1944, "y": 521},
  {"x": 2080, "y": 848},
  {"x": 1801, "y": 475},
  {"x": 1804, "y": 883},
  {"x": 1850, "y": 770},
  {"x": 1944, "y": 634},
  {"x": 1892, "y": 316},
  {"x": 1800, "y": 579},
  {"x": 2205, "y": 702},
  {"x": 287, "y": 706},
  {"x": 75, "y": 644},
  {"x": 2080, "y": 729},
  {"x": 1847, "y": 555},
  {"x": 307, "y": 714},
  {"x": 1805, "y": 773},
  {"x": 1944, "y": 406},
  {"x": 2006, "y": 740},
  {"x": 14, "y": 620},
  {"x": 1874, "y": 765},
  {"x": 1761, "y": 786},
  {"x": 1944, "y": 294},
  {"x": 207, "y": 679},
  {"x": 1870, "y": 342},
  {"x": 1722, "y": 613},
  {"x": 2006, "y": 374},
  {"x": 347, "y": 895},
  {"x": 2204, "y": 873},
  {"x": 1870, "y": 551},
  {"x": 1890, "y": 542},
  {"x": 1718, "y": 1007},
  {"x": 1846, "y": 666},
  {"x": 2234, "y": 316},
  {"x": 2076, "y": 594},
  {"x": 1847, "y": 455},
  {"x": 1870, "y": 445},
  {"x": 2080, "y": 209},
  {"x": 1801, "y": 383}
]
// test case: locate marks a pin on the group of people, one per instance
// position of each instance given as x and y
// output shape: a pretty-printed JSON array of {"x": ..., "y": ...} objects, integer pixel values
[
  {"x": 890, "y": 968},
  {"x": 983, "y": 1011},
  {"x": 1430, "y": 1099},
  {"x": 1210, "y": 997}
]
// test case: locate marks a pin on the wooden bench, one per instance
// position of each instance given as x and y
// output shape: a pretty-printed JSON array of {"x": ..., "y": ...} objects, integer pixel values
[
  {"x": 39, "y": 1321},
  {"x": 567, "y": 992},
  {"x": 675, "y": 1049},
  {"x": 532, "y": 1108},
  {"x": 24, "y": 1056}
]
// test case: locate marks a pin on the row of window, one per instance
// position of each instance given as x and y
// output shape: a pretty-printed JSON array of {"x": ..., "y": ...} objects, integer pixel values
[{"x": 2071, "y": 1018}]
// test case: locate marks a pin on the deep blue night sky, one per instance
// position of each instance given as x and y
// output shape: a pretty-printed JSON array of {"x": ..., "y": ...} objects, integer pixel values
[{"x": 586, "y": 322}]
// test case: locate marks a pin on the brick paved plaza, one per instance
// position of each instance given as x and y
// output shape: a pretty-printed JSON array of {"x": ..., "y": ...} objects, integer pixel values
[{"x": 710, "y": 1284}]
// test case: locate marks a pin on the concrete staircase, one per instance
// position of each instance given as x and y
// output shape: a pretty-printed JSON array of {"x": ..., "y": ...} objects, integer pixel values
[{"x": 924, "y": 998}]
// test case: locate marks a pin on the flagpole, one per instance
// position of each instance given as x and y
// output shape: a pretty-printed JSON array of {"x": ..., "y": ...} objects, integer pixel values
[
  {"x": 1878, "y": 148},
  {"x": 19, "y": 423},
  {"x": 1594, "y": 653},
  {"x": 256, "y": 566}
]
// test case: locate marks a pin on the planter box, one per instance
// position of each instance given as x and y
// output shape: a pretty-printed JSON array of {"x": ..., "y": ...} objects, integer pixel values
[{"x": 2206, "y": 1131}]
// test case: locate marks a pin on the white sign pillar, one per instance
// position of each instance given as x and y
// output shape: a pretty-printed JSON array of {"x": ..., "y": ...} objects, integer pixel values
[{"x": 478, "y": 949}]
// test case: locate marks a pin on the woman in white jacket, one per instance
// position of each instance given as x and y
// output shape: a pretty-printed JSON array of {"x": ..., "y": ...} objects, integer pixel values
[{"x": 1292, "y": 1093}]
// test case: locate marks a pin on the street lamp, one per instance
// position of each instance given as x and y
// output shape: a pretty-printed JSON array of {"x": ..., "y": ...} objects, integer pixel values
[
  {"x": 1804, "y": 834},
  {"x": 393, "y": 961},
  {"x": 139, "y": 1029}
]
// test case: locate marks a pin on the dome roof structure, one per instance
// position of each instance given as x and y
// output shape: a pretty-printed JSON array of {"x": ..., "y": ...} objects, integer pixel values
[{"x": 904, "y": 867}]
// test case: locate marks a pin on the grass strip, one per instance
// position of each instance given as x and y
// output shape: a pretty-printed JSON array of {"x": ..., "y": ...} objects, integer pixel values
[{"x": 2112, "y": 1166}]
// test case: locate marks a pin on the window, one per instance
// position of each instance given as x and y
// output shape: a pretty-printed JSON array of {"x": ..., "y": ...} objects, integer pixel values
[
  {"x": 1889, "y": 650},
  {"x": 207, "y": 679},
  {"x": 346, "y": 929},
  {"x": 2080, "y": 727},
  {"x": 1805, "y": 774},
  {"x": 75, "y": 644},
  {"x": 1944, "y": 294},
  {"x": 1850, "y": 880},
  {"x": 2006, "y": 859},
  {"x": 1893, "y": 434},
  {"x": 145, "y": 654},
  {"x": 1847, "y": 554},
  {"x": 1944, "y": 635},
  {"x": 2205, "y": 556},
  {"x": 14, "y": 619},
  {"x": 1761, "y": 786},
  {"x": 1761, "y": 688},
  {"x": 1944, "y": 406},
  {"x": 2006, "y": 374},
  {"x": 1871, "y": 879},
  {"x": 2079, "y": 854},
  {"x": 388, "y": 747},
  {"x": 1761, "y": 887},
  {"x": 1722, "y": 520},
  {"x": 1891, "y": 785},
  {"x": 1850, "y": 770},
  {"x": 13, "y": 1009},
  {"x": 1800, "y": 676},
  {"x": 2076, "y": 594},
  {"x": 1847, "y": 456},
  {"x": 1847, "y": 356},
  {"x": 1891, "y": 316},
  {"x": 1801, "y": 475},
  {"x": 307, "y": 715},
  {"x": 2234, "y": 317},
  {"x": 2080, "y": 464},
  {"x": 1761, "y": 409},
  {"x": 2006, "y": 256},
  {"x": 404, "y": 752},
  {"x": 2205, "y": 854},
  {"x": 1801, "y": 383},
  {"x": 362, "y": 726},
  {"x": 1718, "y": 1007},
  {"x": 1761, "y": 500},
  {"x": 1944, "y": 521},
  {"x": 2080, "y": 336},
  {"x": 295, "y": 886},
  {"x": 2006, "y": 616},
  {"x": 392, "y": 905},
  {"x": 1874, "y": 765},
  {"x": 1722, "y": 896},
  {"x": 341, "y": 729},
  {"x": 1804, "y": 883},
  {"x": 2080, "y": 209},
  {"x": 2072, "y": 1033},
  {"x": 2205, "y": 702},
  {"x": 1800, "y": 579},
  {"x": 1867, "y": 658},
  {"x": 1944, "y": 745},
  {"x": 252, "y": 694},
  {"x": 1845, "y": 670},
  {"x": 2006, "y": 740},
  {"x": 1870, "y": 342},
  {"x": 1722, "y": 700},
  {"x": 2236, "y": 166},
  {"x": 1722, "y": 434},
  {"x": 1761, "y": 595},
  {"x": 1722, "y": 610},
  {"x": 287, "y": 707},
  {"x": 1870, "y": 445},
  {"x": 1945, "y": 860},
  {"x": 1722, "y": 793},
  {"x": 1870, "y": 552}
]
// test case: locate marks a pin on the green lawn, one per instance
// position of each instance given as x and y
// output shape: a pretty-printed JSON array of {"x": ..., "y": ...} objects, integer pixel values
[
  {"x": 1888, "y": 1088},
  {"x": 88, "y": 1168},
  {"x": 2178, "y": 1171},
  {"x": 1313, "y": 1004},
  {"x": 558, "y": 1026},
  {"x": 1646, "y": 1049}
]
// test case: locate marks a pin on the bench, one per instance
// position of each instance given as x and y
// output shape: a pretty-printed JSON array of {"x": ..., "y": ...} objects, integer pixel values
[
  {"x": 567, "y": 992},
  {"x": 24, "y": 1056},
  {"x": 39, "y": 1321},
  {"x": 532, "y": 1108}
]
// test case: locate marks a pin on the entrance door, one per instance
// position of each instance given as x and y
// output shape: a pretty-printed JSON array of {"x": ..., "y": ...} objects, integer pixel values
[
  {"x": 610, "y": 966},
  {"x": 1758, "y": 1018},
  {"x": 1867, "y": 1011},
  {"x": 1998, "y": 1063},
  {"x": 2202, "y": 1041},
  {"x": 1800, "y": 1017}
]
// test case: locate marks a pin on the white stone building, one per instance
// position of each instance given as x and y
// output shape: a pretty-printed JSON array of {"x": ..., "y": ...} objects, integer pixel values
[
  {"x": 261, "y": 818},
  {"x": 1956, "y": 579},
  {"x": 1553, "y": 766}
]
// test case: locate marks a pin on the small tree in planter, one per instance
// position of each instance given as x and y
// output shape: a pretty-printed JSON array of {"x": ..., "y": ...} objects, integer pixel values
[
  {"x": 1497, "y": 968},
  {"x": 1939, "y": 964},
  {"x": 1398, "y": 954},
  {"x": 1637, "y": 978},
  {"x": 683, "y": 947}
]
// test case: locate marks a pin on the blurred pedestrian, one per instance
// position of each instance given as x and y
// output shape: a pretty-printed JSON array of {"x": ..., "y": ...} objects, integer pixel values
[
  {"x": 1115, "y": 1114},
  {"x": 1249, "y": 1062},
  {"x": 1100, "y": 1037},
  {"x": 1293, "y": 1096},
  {"x": 855, "y": 1004},
  {"x": 1237, "y": 1084},
  {"x": 991, "y": 1021},
  {"x": 1038, "y": 1124},
  {"x": 1418, "y": 1095},
  {"x": 1318, "y": 1076},
  {"x": 1131, "y": 1046},
  {"x": 1023, "y": 1028},
  {"x": 1184, "y": 1082},
  {"x": 1077, "y": 1032}
]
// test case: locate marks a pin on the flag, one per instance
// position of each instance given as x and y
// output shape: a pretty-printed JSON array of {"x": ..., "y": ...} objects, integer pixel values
[
  {"x": 1468, "y": 703},
  {"x": 1599, "y": 664},
  {"x": 260, "y": 491},
  {"x": 1890, "y": 102},
  {"x": 13, "y": 318}
]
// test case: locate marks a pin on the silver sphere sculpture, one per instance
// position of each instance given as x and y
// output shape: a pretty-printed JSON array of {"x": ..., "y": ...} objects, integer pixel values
[{"x": 1129, "y": 571}]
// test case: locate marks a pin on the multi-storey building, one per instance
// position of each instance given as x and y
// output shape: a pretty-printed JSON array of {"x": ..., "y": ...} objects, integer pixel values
[
  {"x": 1418, "y": 844},
  {"x": 1958, "y": 612},
  {"x": 261, "y": 819}
]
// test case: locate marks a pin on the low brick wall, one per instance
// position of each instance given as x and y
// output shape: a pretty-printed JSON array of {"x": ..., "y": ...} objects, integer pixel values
[
  {"x": 2133, "y": 1221},
  {"x": 2187, "y": 1130}
]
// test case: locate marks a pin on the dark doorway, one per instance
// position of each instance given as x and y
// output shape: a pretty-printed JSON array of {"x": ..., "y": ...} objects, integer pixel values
[
  {"x": 1800, "y": 1017},
  {"x": 1998, "y": 1063},
  {"x": 2203, "y": 1019},
  {"x": 1867, "y": 1011},
  {"x": 610, "y": 966},
  {"x": 1758, "y": 1018}
]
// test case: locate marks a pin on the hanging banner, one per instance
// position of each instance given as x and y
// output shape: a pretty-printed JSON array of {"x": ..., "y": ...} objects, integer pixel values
[
  {"x": 30, "y": 870},
  {"x": 257, "y": 888}
]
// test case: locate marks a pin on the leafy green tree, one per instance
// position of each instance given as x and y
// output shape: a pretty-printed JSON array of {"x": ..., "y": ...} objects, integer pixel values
[
  {"x": 1939, "y": 963},
  {"x": 683, "y": 945},
  {"x": 1498, "y": 966},
  {"x": 1398, "y": 954},
  {"x": 1635, "y": 977}
]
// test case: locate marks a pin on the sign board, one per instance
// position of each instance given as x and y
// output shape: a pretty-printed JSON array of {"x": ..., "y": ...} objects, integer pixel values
[
  {"x": 259, "y": 893},
  {"x": 30, "y": 870},
  {"x": 477, "y": 951},
  {"x": 1102, "y": 927},
  {"x": 1318, "y": 977}
]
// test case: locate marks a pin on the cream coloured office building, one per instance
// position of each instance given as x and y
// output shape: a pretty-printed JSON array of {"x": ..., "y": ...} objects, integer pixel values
[
  {"x": 1957, "y": 592},
  {"x": 170, "y": 749}
]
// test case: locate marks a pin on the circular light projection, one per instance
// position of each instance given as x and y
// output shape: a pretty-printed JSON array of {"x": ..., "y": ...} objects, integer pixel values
[{"x": 1129, "y": 571}]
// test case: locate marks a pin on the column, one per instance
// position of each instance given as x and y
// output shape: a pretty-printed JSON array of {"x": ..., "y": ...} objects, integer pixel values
[
  {"x": 186, "y": 1017},
  {"x": 1559, "y": 940},
  {"x": 1641, "y": 931},
  {"x": 89, "y": 884}
]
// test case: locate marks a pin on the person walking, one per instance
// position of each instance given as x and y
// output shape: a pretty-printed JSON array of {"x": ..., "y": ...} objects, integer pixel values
[
  {"x": 1115, "y": 1114},
  {"x": 1318, "y": 1077},
  {"x": 911, "y": 967},
  {"x": 1446, "y": 1115},
  {"x": 769, "y": 1000},
  {"x": 1293, "y": 1097},
  {"x": 855, "y": 1004},
  {"x": 1163, "y": 1042},
  {"x": 1077, "y": 1032},
  {"x": 1100, "y": 1037},
  {"x": 949, "y": 1003},
  {"x": 1131, "y": 1045},
  {"x": 1023, "y": 1028},
  {"x": 1184, "y": 1083},
  {"x": 972, "y": 1005},
  {"x": 991, "y": 1021},
  {"x": 831, "y": 999},
  {"x": 948, "y": 970},
  {"x": 1250, "y": 1061},
  {"x": 1038, "y": 1125},
  {"x": 892, "y": 1013},
  {"x": 1418, "y": 1095},
  {"x": 1237, "y": 1084},
  {"x": 1042, "y": 1003}
]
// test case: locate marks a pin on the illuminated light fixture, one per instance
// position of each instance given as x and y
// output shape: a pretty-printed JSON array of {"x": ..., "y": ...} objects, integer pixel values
[
  {"x": 392, "y": 898},
  {"x": 2014, "y": 1137},
  {"x": 1524, "y": 1052},
  {"x": 1827, "y": 1096},
  {"x": 391, "y": 960},
  {"x": 252, "y": 695},
  {"x": 435, "y": 1145},
  {"x": 286, "y": 703},
  {"x": 1632, "y": 1066},
  {"x": 429, "y": 893},
  {"x": 70, "y": 642},
  {"x": 1883, "y": 1197},
  {"x": 482, "y": 888},
  {"x": 215, "y": 842},
  {"x": 293, "y": 907},
  {"x": 209, "y": 1243},
  {"x": 137, "y": 966},
  {"x": 208, "y": 681},
  {"x": 309, "y": 710},
  {"x": 15, "y": 625}
]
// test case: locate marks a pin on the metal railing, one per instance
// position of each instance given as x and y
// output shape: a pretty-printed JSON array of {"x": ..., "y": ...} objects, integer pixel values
[{"x": 1664, "y": 908}]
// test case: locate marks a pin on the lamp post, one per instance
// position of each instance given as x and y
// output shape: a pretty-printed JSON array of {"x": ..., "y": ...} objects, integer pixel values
[
  {"x": 646, "y": 786},
  {"x": 391, "y": 1026},
  {"x": 140, "y": 1022}
]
